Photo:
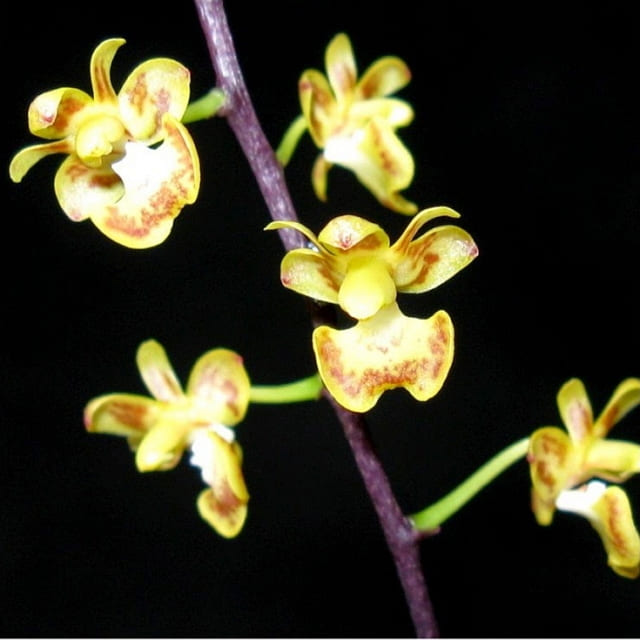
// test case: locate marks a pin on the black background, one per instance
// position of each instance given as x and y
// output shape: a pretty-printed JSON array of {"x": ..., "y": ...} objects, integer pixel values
[{"x": 527, "y": 122}]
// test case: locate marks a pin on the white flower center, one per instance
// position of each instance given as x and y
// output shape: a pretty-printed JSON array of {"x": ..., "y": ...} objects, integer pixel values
[
  {"x": 203, "y": 449},
  {"x": 582, "y": 499}
]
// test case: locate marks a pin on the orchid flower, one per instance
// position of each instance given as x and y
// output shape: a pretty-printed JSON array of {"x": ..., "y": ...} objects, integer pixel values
[
  {"x": 353, "y": 121},
  {"x": 200, "y": 419},
  {"x": 131, "y": 164},
  {"x": 564, "y": 464},
  {"x": 353, "y": 264}
]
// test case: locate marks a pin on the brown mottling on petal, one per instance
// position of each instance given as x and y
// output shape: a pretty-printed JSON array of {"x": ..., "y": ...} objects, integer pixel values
[
  {"x": 405, "y": 373},
  {"x": 388, "y": 163},
  {"x": 371, "y": 242},
  {"x": 610, "y": 417},
  {"x": 614, "y": 516},
  {"x": 580, "y": 419},
  {"x": 104, "y": 180},
  {"x": 555, "y": 455},
  {"x": 129, "y": 413}
]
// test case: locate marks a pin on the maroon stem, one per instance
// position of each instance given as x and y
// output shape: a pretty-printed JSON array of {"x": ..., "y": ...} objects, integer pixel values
[{"x": 238, "y": 109}]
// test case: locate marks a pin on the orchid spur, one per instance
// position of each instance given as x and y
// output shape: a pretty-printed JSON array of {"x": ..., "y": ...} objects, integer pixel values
[
  {"x": 354, "y": 265},
  {"x": 353, "y": 122},
  {"x": 563, "y": 466},
  {"x": 131, "y": 164}
]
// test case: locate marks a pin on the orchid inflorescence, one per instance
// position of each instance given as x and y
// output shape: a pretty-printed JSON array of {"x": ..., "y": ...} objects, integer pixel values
[{"x": 131, "y": 166}]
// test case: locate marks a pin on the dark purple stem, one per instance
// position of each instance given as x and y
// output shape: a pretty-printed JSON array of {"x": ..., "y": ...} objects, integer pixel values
[{"x": 238, "y": 109}]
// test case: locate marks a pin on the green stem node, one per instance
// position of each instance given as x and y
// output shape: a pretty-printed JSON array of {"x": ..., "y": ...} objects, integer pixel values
[
  {"x": 434, "y": 515},
  {"x": 290, "y": 140},
  {"x": 299, "y": 391},
  {"x": 204, "y": 107}
]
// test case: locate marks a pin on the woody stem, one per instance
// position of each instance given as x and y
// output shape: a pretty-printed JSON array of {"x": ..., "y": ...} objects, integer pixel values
[{"x": 268, "y": 172}]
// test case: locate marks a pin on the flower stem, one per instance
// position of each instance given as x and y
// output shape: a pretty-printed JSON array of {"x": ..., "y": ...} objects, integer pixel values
[
  {"x": 290, "y": 140},
  {"x": 299, "y": 391},
  {"x": 434, "y": 515},
  {"x": 398, "y": 530},
  {"x": 242, "y": 118},
  {"x": 205, "y": 107}
]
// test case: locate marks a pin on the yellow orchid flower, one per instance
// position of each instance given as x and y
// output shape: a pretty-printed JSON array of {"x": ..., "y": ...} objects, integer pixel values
[
  {"x": 354, "y": 121},
  {"x": 115, "y": 173},
  {"x": 562, "y": 462},
  {"x": 354, "y": 265},
  {"x": 160, "y": 428}
]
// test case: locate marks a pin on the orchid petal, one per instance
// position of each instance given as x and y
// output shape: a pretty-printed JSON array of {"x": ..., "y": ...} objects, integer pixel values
[
  {"x": 100, "y": 67},
  {"x": 386, "y": 351},
  {"x": 393, "y": 111},
  {"x": 382, "y": 78},
  {"x": 625, "y": 398},
  {"x": 162, "y": 448},
  {"x": 292, "y": 224},
  {"x": 319, "y": 177},
  {"x": 27, "y": 157},
  {"x": 341, "y": 67},
  {"x": 614, "y": 523},
  {"x": 81, "y": 189},
  {"x": 157, "y": 372},
  {"x": 551, "y": 458},
  {"x": 158, "y": 183},
  {"x": 575, "y": 409},
  {"x": 609, "y": 512},
  {"x": 155, "y": 87},
  {"x": 312, "y": 274},
  {"x": 380, "y": 161},
  {"x": 121, "y": 414},
  {"x": 613, "y": 460},
  {"x": 224, "y": 504},
  {"x": 432, "y": 259},
  {"x": 318, "y": 105},
  {"x": 349, "y": 232},
  {"x": 219, "y": 380},
  {"x": 55, "y": 114}
]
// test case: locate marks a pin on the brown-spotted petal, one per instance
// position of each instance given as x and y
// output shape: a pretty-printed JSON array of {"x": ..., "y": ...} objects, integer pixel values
[
  {"x": 224, "y": 504},
  {"x": 56, "y": 114},
  {"x": 387, "y": 351},
  {"x": 221, "y": 385},
  {"x": 383, "y": 77},
  {"x": 625, "y": 398},
  {"x": 157, "y": 373},
  {"x": 318, "y": 105},
  {"x": 158, "y": 183},
  {"x": 81, "y": 190},
  {"x": 121, "y": 414},
  {"x": 347, "y": 233},
  {"x": 100, "y": 68},
  {"x": 155, "y": 87},
  {"x": 380, "y": 161},
  {"x": 575, "y": 409},
  {"x": 341, "y": 66},
  {"x": 552, "y": 461},
  {"x": 313, "y": 274},
  {"x": 614, "y": 522},
  {"x": 609, "y": 512},
  {"x": 27, "y": 157},
  {"x": 425, "y": 263}
]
